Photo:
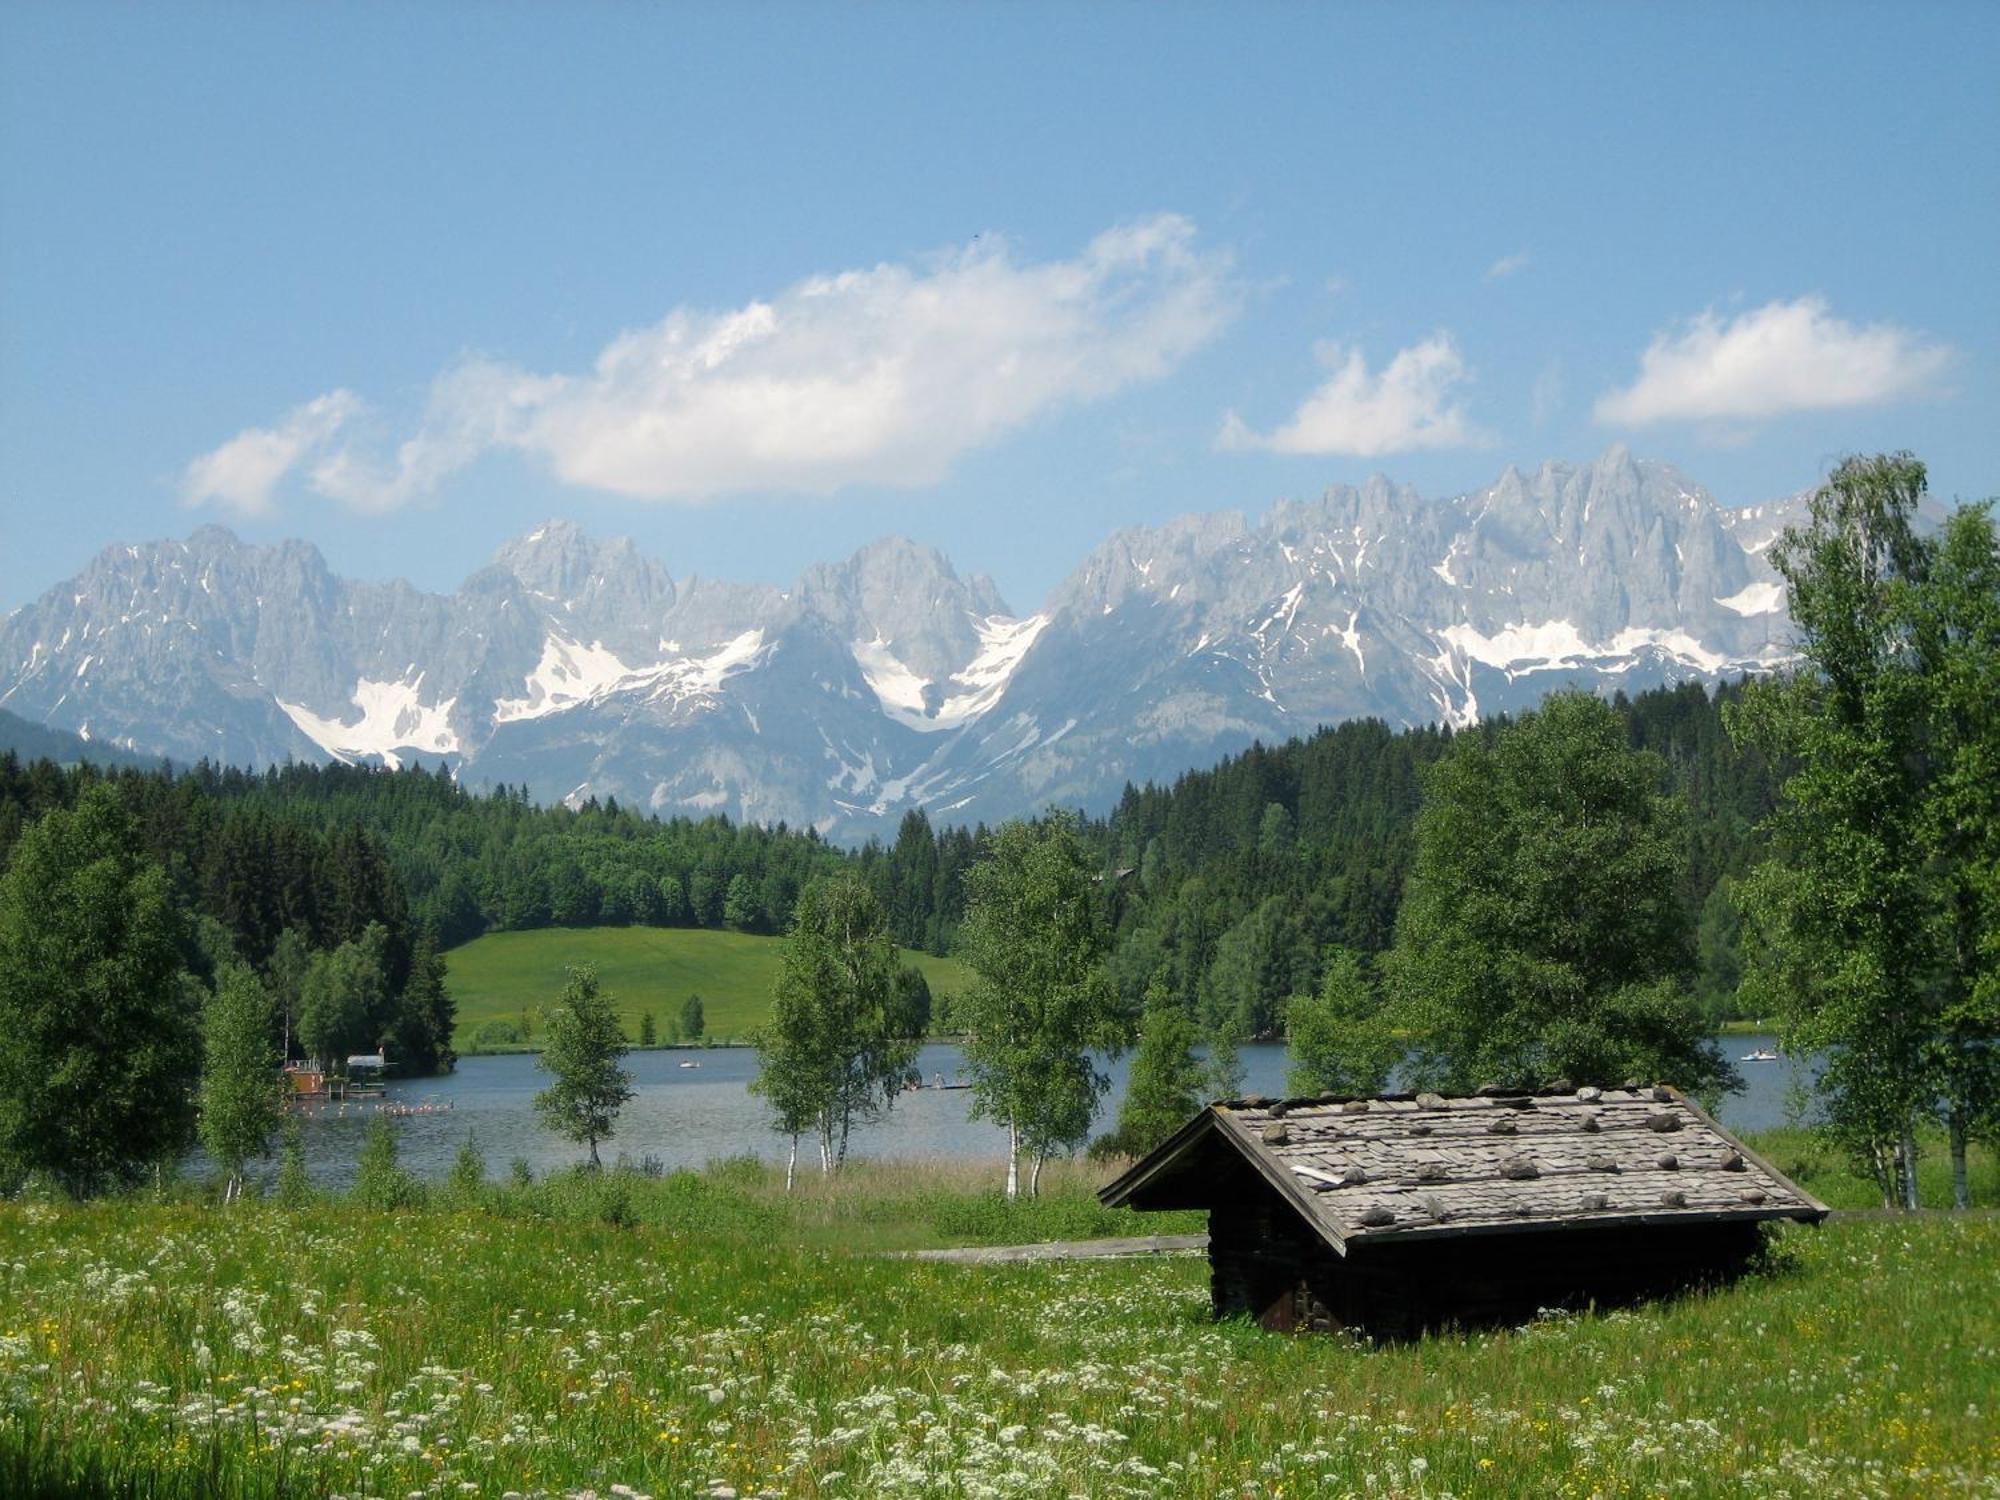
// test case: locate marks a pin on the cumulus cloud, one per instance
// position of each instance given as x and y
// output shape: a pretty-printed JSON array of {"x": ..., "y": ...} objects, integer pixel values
[
  {"x": 1407, "y": 405},
  {"x": 1508, "y": 265},
  {"x": 1779, "y": 358},
  {"x": 884, "y": 375},
  {"x": 242, "y": 473}
]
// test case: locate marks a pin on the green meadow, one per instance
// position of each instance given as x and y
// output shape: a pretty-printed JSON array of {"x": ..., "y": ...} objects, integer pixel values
[
  {"x": 702, "y": 1334},
  {"x": 497, "y": 977}
]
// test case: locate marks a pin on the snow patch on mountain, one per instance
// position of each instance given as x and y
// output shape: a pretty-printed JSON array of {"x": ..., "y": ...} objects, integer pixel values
[
  {"x": 1557, "y": 645},
  {"x": 569, "y": 673},
  {"x": 1766, "y": 597},
  {"x": 393, "y": 717},
  {"x": 979, "y": 683}
]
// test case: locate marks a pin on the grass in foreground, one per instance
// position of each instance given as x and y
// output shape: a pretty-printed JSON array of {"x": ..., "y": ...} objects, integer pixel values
[
  {"x": 496, "y": 977},
  {"x": 183, "y": 1350}
]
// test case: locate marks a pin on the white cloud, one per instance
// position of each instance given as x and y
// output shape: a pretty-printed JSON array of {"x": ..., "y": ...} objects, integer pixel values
[
  {"x": 241, "y": 474},
  {"x": 1408, "y": 405},
  {"x": 885, "y": 375},
  {"x": 1782, "y": 357},
  {"x": 1508, "y": 265}
]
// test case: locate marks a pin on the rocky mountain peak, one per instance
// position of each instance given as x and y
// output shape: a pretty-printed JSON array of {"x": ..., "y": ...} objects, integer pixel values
[{"x": 887, "y": 680}]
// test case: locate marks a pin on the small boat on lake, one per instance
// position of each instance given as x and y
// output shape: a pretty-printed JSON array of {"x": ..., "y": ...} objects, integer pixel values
[
  {"x": 690, "y": 1064},
  {"x": 1762, "y": 1054}
]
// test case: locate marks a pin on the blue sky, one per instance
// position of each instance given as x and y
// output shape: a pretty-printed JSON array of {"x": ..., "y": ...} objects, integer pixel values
[{"x": 756, "y": 284}]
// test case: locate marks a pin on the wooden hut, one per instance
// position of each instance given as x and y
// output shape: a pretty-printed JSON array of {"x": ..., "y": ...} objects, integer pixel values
[{"x": 1402, "y": 1213}]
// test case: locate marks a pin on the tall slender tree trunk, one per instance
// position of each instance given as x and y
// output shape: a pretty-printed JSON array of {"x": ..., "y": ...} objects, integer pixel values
[
  {"x": 1013, "y": 1161},
  {"x": 792, "y": 1163},
  {"x": 1961, "y": 1184},
  {"x": 1909, "y": 1155},
  {"x": 1035, "y": 1176},
  {"x": 1885, "y": 1172},
  {"x": 595, "y": 1164}
]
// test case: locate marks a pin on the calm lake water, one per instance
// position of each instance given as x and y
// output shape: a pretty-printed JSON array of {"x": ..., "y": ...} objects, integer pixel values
[{"x": 685, "y": 1116}]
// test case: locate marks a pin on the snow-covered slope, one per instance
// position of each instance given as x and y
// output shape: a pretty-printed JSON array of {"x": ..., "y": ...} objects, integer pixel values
[{"x": 887, "y": 681}]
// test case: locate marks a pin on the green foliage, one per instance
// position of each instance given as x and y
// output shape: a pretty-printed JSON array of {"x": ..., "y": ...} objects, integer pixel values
[
  {"x": 421, "y": 1034},
  {"x": 582, "y": 1048},
  {"x": 496, "y": 1034},
  {"x": 838, "y": 1046},
  {"x": 98, "y": 1041},
  {"x": 1164, "y": 1089},
  {"x": 1241, "y": 919},
  {"x": 693, "y": 1020},
  {"x": 379, "y": 1180},
  {"x": 240, "y": 1097},
  {"x": 910, "y": 1003},
  {"x": 1041, "y": 1002},
  {"x": 344, "y": 1005},
  {"x": 649, "y": 1033},
  {"x": 295, "y": 1188},
  {"x": 1718, "y": 952},
  {"x": 1341, "y": 1042},
  {"x": 285, "y": 976},
  {"x": 1543, "y": 932},
  {"x": 1875, "y": 926},
  {"x": 740, "y": 907},
  {"x": 466, "y": 1185}
]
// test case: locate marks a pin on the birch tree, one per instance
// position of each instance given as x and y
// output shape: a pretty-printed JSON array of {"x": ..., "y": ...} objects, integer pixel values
[
  {"x": 1041, "y": 1001},
  {"x": 583, "y": 1047},
  {"x": 1845, "y": 916},
  {"x": 238, "y": 1104},
  {"x": 840, "y": 1041},
  {"x": 1956, "y": 614}
]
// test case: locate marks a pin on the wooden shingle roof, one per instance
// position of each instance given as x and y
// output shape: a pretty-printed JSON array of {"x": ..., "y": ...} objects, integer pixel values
[{"x": 1422, "y": 1166}]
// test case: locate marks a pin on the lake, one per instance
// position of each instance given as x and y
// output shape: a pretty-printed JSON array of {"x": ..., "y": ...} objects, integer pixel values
[{"x": 684, "y": 1116}]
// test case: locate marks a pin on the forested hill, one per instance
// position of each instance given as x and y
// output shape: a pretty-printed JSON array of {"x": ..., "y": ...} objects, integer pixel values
[
  {"x": 1236, "y": 879},
  {"x": 242, "y": 845}
]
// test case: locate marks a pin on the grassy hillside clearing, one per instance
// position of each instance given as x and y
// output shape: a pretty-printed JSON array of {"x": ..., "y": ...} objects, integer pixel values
[
  {"x": 498, "y": 976},
  {"x": 703, "y": 1347}
]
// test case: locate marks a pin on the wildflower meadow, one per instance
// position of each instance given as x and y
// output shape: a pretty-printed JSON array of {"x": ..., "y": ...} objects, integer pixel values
[{"x": 713, "y": 1341}]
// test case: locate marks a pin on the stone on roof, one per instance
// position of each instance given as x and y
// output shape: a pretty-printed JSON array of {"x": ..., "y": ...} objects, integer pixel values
[{"x": 1403, "y": 1167}]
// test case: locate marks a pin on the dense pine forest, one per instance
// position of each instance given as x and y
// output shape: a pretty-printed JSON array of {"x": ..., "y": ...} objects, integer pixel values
[
  {"x": 1237, "y": 879},
  {"x": 1233, "y": 880}
]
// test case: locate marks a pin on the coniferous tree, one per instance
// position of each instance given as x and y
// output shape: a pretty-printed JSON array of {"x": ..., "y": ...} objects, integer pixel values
[
  {"x": 693, "y": 1019},
  {"x": 426, "y": 1014}
]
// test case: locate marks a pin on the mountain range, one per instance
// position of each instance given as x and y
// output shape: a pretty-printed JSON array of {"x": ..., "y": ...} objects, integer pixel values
[{"x": 889, "y": 681}]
